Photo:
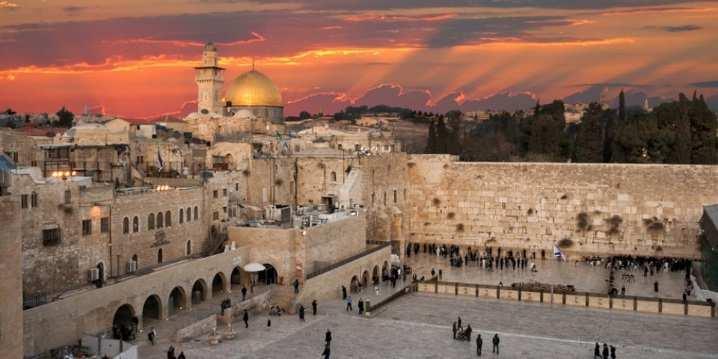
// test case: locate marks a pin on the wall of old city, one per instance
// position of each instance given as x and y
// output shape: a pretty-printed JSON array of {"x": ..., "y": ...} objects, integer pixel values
[
  {"x": 176, "y": 238},
  {"x": 385, "y": 195},
  {"x": 595, "y": 208},
  {"x": 281, "y": 248},
  {"x": 64, "y": 321},
  {"x": 20, "y": 148},
  {"x": 51, "y": 267},
  {"x": 11, "y": 329},
  {"x": 331, "y": 242}
]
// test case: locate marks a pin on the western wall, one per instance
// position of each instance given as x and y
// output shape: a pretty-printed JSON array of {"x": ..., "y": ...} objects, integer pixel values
[{"x": 602, "y": 209}]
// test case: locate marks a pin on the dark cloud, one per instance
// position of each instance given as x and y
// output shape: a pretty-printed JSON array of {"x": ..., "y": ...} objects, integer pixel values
[
  {"x": 405, "y": 4},
  {"x": 705, "y": 84},
  {"x": 678, "y": 28},
  {"x": 73, "y": 9}
]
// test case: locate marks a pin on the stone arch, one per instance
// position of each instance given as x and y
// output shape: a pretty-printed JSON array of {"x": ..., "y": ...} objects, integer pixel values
[
  {"x": 235, "y": 278},
  {"x": 333, "y": 176},
  {"x": 125, "y": 225},
  {"x": 181, "y": 215},
  {"x": 268, "y": 276},
  {"x": 151, "y": 309},
  {"x": 176, "y": 301},
  {"x": 199, "y": 291},
  {"x": 219, "y": 284},
  {"x": 124, "y": 323},
  {"x": 150, "y": 221},
  {"x": 354, "y": 284},
  {"x": 365, "y": 278},
  {"x": 160, "y": 220},
  {"x": 135, "y": 224},
  {"x": 385, "y": 270},
  {"x": 168, "y": 219},
  {"x": 188, "y": 214},
  {"x": 375, "y": 277}
]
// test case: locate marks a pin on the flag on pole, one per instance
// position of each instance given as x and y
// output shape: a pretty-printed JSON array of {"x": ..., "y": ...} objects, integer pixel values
[{"x": 557, "y": 253}]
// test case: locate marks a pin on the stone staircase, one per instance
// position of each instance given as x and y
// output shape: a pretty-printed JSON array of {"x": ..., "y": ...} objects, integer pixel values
[{"x": 284, "y": 296}]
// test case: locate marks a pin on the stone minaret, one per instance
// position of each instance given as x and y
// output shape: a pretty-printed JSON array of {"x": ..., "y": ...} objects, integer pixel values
[{"x": 209, "y": 80}]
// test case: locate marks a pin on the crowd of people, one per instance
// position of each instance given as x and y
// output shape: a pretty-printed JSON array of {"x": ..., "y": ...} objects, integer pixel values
[
  {"x": 458, "y": 332},
  {"x": 605, "y": 352}
]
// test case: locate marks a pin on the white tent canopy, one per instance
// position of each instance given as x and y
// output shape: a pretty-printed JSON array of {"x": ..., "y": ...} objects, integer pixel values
[{"x": 254, "y": 267}]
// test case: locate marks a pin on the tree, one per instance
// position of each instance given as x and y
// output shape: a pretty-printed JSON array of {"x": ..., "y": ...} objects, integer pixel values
[
  {"x": 703, "y": 129},
  {"x": 304, "y": 115},
  {"x": 9, "y": 111},
  {"x": 622, "y": 106},
  {"x": 65, "y": 118},
  {"x": 590, "y": 135},
  {"x": 431, "y": 138}
]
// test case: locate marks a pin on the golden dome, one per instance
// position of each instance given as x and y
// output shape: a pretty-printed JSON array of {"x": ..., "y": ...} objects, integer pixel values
[{"x": 253, "y": 88}]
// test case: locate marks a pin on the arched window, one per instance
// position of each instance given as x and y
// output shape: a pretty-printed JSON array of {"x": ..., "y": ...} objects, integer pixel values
[
  {"x": 135, "y": 224},
  {"x": 181, "y": 215},
  {"x": 196, "y": 213},
  {"x": 168, "y": 219},
  {"x": 151, "y": 221},
  {"x": 159, "y": 256},
  {"x": 160, "y": 220},
  {"x": 126, "y": 225},
  {"x": 189, "y": 248},
  {"x": 189, "y": 214},
  {"x": 333, "y": 176}
]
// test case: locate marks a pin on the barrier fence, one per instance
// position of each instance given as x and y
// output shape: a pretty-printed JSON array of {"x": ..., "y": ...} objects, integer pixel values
[{"x": 577, "y": 299}]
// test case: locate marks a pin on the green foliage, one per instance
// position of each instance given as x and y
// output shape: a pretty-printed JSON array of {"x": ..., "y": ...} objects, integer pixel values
[{"x": 65, "y": 118}]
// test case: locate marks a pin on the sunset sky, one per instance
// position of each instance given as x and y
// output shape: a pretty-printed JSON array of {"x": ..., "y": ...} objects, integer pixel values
[{"x": 135, "y": 57}]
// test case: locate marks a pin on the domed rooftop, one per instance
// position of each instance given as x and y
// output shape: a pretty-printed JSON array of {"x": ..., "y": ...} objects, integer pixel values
[{"x": 253, "y": 88}]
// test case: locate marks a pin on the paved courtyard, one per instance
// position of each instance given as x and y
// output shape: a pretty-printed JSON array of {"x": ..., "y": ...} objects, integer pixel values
[
  {"x": 419, "y": 326},
  {"x": 585, "y": 277}
]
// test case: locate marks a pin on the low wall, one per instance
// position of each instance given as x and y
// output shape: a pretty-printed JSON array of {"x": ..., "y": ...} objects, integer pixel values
[
  {"x": 579, "y": 299},
  {"x": 197, "y": 328},
  {"x": 328, "y": 284}
]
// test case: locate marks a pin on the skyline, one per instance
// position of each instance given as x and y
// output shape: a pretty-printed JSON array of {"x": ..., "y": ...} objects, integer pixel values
[{"x": 136, "y": 60}]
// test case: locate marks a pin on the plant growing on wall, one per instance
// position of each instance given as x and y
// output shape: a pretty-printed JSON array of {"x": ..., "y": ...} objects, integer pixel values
[
  {"x": 530, "y": 211},
  {"x": 460, "y": 227},
  {"x": 246, "y": 173},
  {"x": 436, "y": 201},
  {"x": 411, "y": 164},
  {"x": 565, "y": 243},
  {"x": 654, "y": 225},
  {"x": 278, "y": 182},
  {"x": 582, "y": 222},
  {"x": 614, "y": 222},
  {"x": 450, "y": 215}
]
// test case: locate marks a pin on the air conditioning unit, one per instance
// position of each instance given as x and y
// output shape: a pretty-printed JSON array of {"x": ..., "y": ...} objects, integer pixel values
[
  {"x": 93, "y": 274},
  {"x": 131, "y": 266}
]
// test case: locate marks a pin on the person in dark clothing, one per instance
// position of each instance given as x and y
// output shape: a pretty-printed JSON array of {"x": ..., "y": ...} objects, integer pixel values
[
  {"x": 245, "y": 319},
  {"x": 454, "y": 329},
  {"x": 433, "y": 273},
  {"x": 613, "y": 352},
  {"x": 597, "y": 351},
  {"x": 269, "y": 323},
  {"x": 479, "y": 344},
  {"x": 296, "y": 286},
  {"x": 495, "y": 341},
  {"x": 244, "y": 293},
  {"x": 344, "y": 293},
  {"x": 441, "y": 273},
  {"x": 458, "y": 322},
  {"x": 326, "y": 352},
  {"x": 314, "y": 307},
  {"x": 467, "y": 332},
  {"x": 361, "y": 306},
  {"x": 655, "y": 286},
  {"x": 685, "y": 298},
  {"x": 328, "y": 337},
  {"x": 171, "y": 353},
  {"x": 605, "y": 351},
  {"x": 301, "y": 312},
  {"x": 151, "y": 336},
  {"x": 181, "y": 356}
]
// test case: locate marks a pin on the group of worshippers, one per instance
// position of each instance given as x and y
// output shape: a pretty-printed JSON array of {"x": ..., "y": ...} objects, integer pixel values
[
  {"x": 648, "y": 265},
  {"x": 464, "y": 334},
  {"x": 485, "y": 260},
  {"x": 362, "y": 305},
  {"x": 171, "y": 354},
  {"x": 605, "y": 352}
]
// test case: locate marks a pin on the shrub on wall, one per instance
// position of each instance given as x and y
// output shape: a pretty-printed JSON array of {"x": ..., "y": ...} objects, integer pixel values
[
  {"x": 451, "y": 215},
  {"x": 246, "y": 173},
  {"x": 565, "y": 243},
  {"x": 614, "y": 222},
  {"x": 582, "y": 222},
  {"x": 460, "y": 227},
  {"x": 436, "y": 201}
]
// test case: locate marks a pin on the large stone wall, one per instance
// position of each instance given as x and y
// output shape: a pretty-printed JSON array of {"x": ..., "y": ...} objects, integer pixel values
[
  {"x": 11, "y": 330},
  {"x": 601, "y": 208}
]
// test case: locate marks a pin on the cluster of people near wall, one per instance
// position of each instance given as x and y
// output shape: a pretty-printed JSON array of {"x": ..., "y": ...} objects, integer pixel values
[{"x": 485, "y": 259}]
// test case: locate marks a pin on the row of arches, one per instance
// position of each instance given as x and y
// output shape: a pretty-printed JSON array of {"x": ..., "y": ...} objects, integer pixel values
[
  {"x": 160, "y": 220},
  {"x": 126, "y": 320},
  {"x": 366, "y": 279}
]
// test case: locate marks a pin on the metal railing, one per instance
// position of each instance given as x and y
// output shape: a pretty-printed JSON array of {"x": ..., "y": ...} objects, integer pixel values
[{"x": 348, "y": 259}]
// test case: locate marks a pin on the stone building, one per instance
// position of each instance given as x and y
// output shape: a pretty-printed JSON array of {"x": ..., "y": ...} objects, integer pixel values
[{"x": 11, "y": 315}]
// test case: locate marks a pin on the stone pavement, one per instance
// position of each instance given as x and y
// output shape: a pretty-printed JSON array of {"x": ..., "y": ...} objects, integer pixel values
[
  {"x": 585, "y": 277},
  {"x": 419, "y": 326}
]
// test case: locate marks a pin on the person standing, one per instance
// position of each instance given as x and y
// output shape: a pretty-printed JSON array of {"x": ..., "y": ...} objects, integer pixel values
[
  {"x": 613, "y": 352},
  {"x": 244, "y": 293},
  {"x": 181, "y": 356},
  {"x": 655, "y": 286},
  {"x": 151, "y": 336},
  {"x": 301, "y": 312},
  {"x": 441, "y": 273},
  {"x": 479, "y": 344},
  {"x": 458, "y": 322},
  {"x": 326, "y": 352},
  {"x": 344, "y": 293},
  {"x": 245, "y": 319},
  {"x": 597, "y": 351},
  {"x": 605, "y": 351},
  {"x": 454, "y": 329},
  {"x": 296, "y": 286},
  {"x": 496, "y": 342},
  {"x": 361, "y": 306},
  {"x": 349, "y": 304},
  {"x": 328, "y": 337},
  {"x": 314, "y": 307},
  {"x": 171, "y": 353}
]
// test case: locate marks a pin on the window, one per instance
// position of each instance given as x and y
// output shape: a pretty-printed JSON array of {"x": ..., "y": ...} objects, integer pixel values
[
  {"x": 159, "y": 256},
  {"x": 51, "y": 237},
  {"x": 23, "y": 201},
  {"x": 215, "y": 193},
  {"x": 395, "y": 196},
  {"x": 385, "y": 198},
  {"x": 68, "y": 196},
  {"x": 136, "y": 262},
  {"x": 215, "y": 215},
  {"x": 333, "y": 176},
  {"x": 86, "y": 227},
  {"x": 224, "y": 209},
  {"x": 151, "y": 221},
  {"x": 104, "y": 224},
  {"x": 168, "y": 219},
  {"x": 33, "y": 200},
  {"x": 189, "y": 214},
  {"x": 373, "y": 195},
  {"x": 189, "y": 248},
  {"x": 135, "y": 224},
  {"x": 126, "y": 225},
  {"x": 160, "y": 220},
  {"x": 181, "y": 215},
  {"x": 196, "y": 213},
  {"x": 236, "y": 186},
  {"x": 224, "y": 192}
]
